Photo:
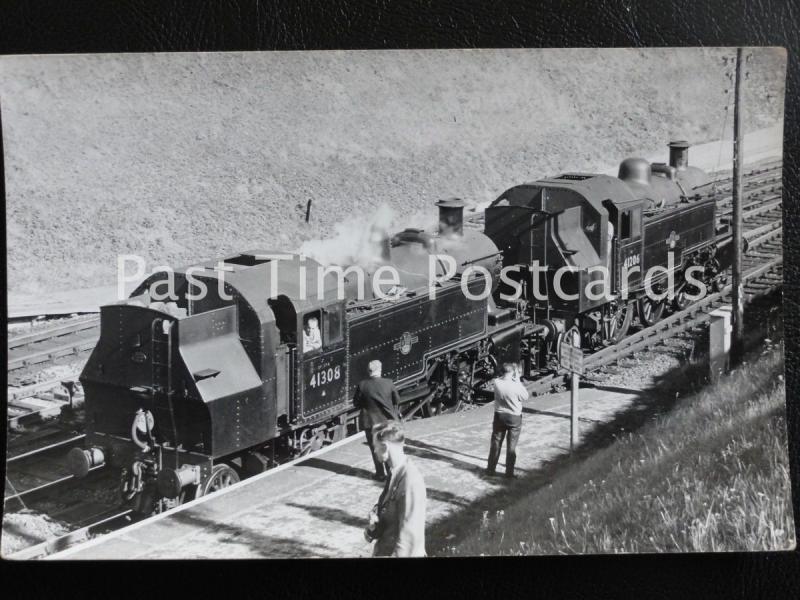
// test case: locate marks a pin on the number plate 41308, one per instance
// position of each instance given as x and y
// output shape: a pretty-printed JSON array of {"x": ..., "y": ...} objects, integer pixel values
[{"x": 325, "y": 376}]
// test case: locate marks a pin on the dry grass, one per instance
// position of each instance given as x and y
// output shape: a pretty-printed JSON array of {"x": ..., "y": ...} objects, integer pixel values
[
  {"x": 711, "y": 475},
  {"x": 182, "y": 157}
]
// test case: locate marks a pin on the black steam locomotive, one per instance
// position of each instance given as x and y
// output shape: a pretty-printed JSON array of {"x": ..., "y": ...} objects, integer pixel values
[{"x": 184, "y": 397}]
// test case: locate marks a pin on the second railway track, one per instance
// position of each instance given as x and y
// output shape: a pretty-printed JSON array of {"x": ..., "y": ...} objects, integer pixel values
[{"x": 40, "y": 347}]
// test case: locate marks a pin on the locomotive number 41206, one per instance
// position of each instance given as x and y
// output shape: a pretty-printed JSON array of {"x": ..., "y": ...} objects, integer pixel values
[
  {"x": 325, "y": 376},
  {"x": 631, "y": 261}
]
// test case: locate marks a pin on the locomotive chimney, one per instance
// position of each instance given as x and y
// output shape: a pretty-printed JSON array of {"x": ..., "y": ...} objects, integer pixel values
[
  {"x": 451, "y": 217},
  {"x": 679, "y": 154}
]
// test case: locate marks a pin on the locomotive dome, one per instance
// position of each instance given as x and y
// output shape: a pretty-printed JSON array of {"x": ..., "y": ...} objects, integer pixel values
[{"x": 663, "y": 184}]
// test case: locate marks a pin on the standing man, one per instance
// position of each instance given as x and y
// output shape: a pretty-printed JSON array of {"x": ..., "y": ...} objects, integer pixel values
[
  {"x": 378, "y": 400},
  {"x": 397, "y": 522},
  {"x": 509, "y": 394}
]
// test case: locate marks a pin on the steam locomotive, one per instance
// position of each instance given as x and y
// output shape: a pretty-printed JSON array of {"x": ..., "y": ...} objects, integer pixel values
[{"x": 185, "y": 397}]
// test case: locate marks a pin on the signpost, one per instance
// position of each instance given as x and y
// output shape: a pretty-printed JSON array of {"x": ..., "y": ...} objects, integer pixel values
[{"x": 571, "y": 359}]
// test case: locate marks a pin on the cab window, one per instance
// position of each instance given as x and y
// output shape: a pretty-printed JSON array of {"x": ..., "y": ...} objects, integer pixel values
[
  {"x": 312, "y": 335},
  {"x": 636, "y": 222},
  {"x": 333, "y": 326},
  {"x": 630, "y": 224},
  {"x": 625, "y": 225}
]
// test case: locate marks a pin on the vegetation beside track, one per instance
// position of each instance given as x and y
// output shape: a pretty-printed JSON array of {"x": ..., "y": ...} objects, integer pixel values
[{"x": 709, "y": 474}]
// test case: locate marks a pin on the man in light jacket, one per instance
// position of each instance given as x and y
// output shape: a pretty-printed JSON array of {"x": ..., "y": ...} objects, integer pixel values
[
  {"x": 509, "y": 394},
  {"x": 397, "y": 522}
]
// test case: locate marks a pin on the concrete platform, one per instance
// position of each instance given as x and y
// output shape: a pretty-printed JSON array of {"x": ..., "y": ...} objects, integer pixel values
[{"x": 318, "y": 507}]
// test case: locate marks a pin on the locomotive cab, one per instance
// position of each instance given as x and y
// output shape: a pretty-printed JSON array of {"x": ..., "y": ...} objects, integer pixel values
[
  {"x": 555, "y": 225},
  {"x": 625, "y": 243},
  {"x": 315, "y": 372}
]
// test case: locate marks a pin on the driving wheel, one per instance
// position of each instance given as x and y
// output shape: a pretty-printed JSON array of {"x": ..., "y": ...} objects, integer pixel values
[
  {"x": 682, "y": 300},
  {"x": 650, "y": 310},
  {"x": 222, "y": 476},
  {"x": 620, "y": 317}
]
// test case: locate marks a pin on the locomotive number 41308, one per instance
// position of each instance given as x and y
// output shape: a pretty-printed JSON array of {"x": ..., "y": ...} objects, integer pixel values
[{"x": 325, "y": 376}]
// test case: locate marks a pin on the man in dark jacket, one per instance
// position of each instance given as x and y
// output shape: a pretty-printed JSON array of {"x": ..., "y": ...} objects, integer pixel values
[{"x": 378, "y": 400}]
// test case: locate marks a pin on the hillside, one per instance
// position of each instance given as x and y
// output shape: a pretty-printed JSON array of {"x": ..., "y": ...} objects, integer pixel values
[
  {"x": 709, "y": 475},
  {"x": 178, "y": 157}
]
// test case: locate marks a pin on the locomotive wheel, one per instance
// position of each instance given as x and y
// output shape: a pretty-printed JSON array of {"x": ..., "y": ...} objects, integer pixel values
[
  {"x": 681, "y": 302},
  {"x": 650, "y": 310},
  {"x": 222, "y": 476},
  {"x": 311, "y": 441},
  {"x": 620, "y": 322}
]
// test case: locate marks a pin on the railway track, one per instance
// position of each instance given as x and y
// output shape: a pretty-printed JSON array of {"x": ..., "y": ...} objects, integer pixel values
[
  {"x": 30, "y": 402},
  {"x": 30, "y": 407},
  {"x": 37, "y": 472},
  {"x": 44, "y": 346},
  {"x": 39, "y": 481}
]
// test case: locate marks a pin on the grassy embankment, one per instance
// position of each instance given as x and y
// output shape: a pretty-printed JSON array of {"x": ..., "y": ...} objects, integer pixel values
[
  {"x": 712, "y": 474},
  {"x": 183, "y": 157}
]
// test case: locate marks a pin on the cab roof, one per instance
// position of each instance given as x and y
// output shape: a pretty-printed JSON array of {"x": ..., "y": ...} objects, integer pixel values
[
  {"x": 249, "y": 274},
  {"x": 595, "y": 188}
]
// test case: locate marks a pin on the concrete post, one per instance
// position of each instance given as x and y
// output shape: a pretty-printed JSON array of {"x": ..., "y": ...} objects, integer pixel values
[{"x": 719, "y": 343}]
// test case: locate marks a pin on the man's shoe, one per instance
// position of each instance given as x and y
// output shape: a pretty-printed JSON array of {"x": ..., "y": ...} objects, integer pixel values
[
  {"x": 379, "y": 477},
  {"x": 511, "y": 476},
  {"x": 489, "y": 473}
]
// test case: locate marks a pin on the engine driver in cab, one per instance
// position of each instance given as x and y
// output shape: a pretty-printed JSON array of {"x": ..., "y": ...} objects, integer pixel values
[{"x": 311, "y": 337}]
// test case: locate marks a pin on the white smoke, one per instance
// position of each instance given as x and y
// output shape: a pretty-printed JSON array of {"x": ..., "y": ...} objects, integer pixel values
[{"x": 356, "y": 241}]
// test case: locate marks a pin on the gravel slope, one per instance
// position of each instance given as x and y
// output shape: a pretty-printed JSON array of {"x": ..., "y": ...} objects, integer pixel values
[{"x": 177, "y": 157}]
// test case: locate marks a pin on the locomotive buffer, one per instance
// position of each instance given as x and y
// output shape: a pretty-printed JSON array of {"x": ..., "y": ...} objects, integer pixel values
[{"x": 571, "y": 358}]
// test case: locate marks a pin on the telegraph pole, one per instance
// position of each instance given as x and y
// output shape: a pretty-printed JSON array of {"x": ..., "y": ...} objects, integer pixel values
[{"x": 738, "y": 155}]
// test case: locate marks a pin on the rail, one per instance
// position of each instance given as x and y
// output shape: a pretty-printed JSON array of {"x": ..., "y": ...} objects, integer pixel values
[{"x": 53, "y": 332}]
